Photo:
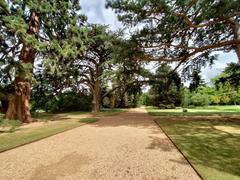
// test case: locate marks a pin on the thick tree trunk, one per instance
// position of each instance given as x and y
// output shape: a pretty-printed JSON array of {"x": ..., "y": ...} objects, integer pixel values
[
  {"x": 18, "y": 106},
  {"x": 113, "y": 101},
  {"x": 4, "y": 107},
  {"x": 96, "y": 102},
  {"x": 11, "y": 111},
  {"x": 96, "y": 105},
  {"x": 18, "y": 103},
  {"x": 236, "y": 30}
]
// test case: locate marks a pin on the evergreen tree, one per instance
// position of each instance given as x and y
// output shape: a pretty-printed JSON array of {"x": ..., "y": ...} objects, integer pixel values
[
  {"x": 182, "y": 30},
  {"x": 30, "y": 30},
  {"x": 196, "y": 81},
  {"x": 166, "y": 87}
]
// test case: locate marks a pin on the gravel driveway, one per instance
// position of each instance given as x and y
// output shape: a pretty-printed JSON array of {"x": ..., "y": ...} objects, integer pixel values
[{"x": 126, "y": 146}]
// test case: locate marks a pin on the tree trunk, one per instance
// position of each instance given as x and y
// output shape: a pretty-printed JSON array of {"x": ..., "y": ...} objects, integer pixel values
[
  {"x": 4, "y": 107},
  {"x": 113, "y": 101},
  {"x": 113, "y": 98},
  {"x": 11, "y": 111},
  {"x": 18, "y": 106},
  {"x": 236, "y": 30},
  {"x": 96, "y": 102}
]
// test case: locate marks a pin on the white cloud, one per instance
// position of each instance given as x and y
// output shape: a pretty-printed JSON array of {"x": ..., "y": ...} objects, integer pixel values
[
  {"x": 97, "y": 13},
  {"x": 223, "y": 59}
]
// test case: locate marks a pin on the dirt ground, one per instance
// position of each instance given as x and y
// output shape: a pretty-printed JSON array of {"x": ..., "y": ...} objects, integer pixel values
[{"x": 126, "y": 146}]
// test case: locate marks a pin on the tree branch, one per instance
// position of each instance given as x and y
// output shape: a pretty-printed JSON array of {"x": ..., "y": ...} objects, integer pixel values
[{"x": 196, "y": 50}]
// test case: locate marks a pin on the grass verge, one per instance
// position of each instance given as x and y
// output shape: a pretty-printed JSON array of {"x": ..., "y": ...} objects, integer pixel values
[
  {"x": 212, "y": 146},
  {"x": 88, "y": 120},
  {"x": 52, "y": 124},
  {"x": 112, "y": 111},
  {"x": 24, "y": 136},
  {"x": 198, "y": 111}
]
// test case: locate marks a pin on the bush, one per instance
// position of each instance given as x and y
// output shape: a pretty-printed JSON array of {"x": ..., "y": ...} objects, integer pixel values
[
  {"x": 146, "y": 99},
  {"x": 167, "y": 106},
  {"x": 215, "y": 99},
  {"x": 170, "y": 106},
  {"x": 65, "y": 102},
  {"x": 199, "y": 100},
  {"x": 10, "y": 125},
  {"x": 162, "y": 106},
  {"x": 107, "y": 102},
  {"x": 225, "y": 99},
  {"x": 191, "y": 106}
]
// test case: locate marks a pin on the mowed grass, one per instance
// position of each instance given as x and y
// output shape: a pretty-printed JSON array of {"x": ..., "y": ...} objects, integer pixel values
[
  {"x": 112, "y": 111},
  {"x": 25, "y": 135},
  {"x": 212, "y": 146},
  {"x": 51, "y": 124},
  {"x": 198, "y": 111}
]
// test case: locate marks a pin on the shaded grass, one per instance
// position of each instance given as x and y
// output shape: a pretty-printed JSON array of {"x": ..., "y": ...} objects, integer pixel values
[
  {"x": 198, "y": 111},
  {"x": 212, "y": 146},
  {"x": 27, "y": 135},
  {"x": 44, "y": 116},
  {"x": 112, "y": 111},
  {"x": 88, "y": 120},
  {"x": 62, "y": 122}
]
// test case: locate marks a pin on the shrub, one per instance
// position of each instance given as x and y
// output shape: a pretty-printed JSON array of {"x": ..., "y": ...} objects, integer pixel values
[
  {"x": 216, "y": 99},
  {"x": 162, "y": 106},
  {"x": 106, "y": 102},
  {"x": 170, "y": 106},
  {"x": 167, "y": 106},
  {"x": 199, "y": 100},
  {"x": 10, "y": 125},
  {"x": 225, "y": 99},
  {"x": 65, "y": 102}
]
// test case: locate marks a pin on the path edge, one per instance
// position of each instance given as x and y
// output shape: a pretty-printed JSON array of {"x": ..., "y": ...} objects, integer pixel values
[
  {"x": 178, "y": 149},
  {"x": 24, "y": 144}
]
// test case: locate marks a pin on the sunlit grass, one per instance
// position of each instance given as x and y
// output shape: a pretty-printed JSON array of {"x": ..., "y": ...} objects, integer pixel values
[
  {"x": 53, "y": 124},
  {"x": 212, "y": 146},
  {"x": 88, "y": 120},
  {"x": 198, "y": 111},
  {"x": 27, "y": 135}
]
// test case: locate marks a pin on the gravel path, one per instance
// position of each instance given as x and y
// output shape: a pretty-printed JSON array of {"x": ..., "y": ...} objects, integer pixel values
[{"x": 126, "y": 146}]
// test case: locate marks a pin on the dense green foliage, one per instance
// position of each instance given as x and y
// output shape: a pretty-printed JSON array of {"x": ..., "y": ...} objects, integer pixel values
[
  {"x": 224, "y": 91},
  {"x": 186, "y": 31},
  {"x": 61, "y": 34},
  {"x": 75, "y": 65},
  {"x": 196, "y": 111},
  {"x": 64, "y": 102},
  {"x": 165, "y": 89}
]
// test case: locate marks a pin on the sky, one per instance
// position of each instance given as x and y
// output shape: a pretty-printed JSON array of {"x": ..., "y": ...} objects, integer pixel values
[{"x": 97, "y": 13}]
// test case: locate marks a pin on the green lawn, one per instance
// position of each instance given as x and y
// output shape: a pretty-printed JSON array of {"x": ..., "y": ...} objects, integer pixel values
[
  {"x": 198, "y": 111},
  {"x": 212, "y": 146},
  {"x": 63, "y": 122},
  {"x": 112, "y": 111},
  {"x": 27, "y": 135}
]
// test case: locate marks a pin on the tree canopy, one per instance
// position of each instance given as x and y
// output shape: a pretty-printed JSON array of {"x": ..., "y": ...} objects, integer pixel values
[
  {"x": 182, "y": 30},
  {"x": 48, "y": 51}
]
